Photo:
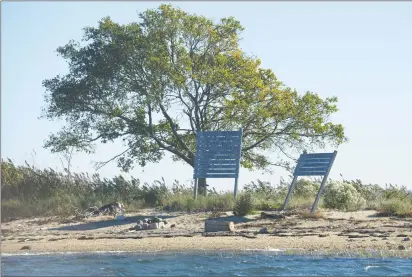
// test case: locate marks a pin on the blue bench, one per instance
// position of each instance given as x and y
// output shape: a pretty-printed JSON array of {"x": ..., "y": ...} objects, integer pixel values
[
  {"x": 218, "y": 156},
  {"x": 317, "y": 164}
]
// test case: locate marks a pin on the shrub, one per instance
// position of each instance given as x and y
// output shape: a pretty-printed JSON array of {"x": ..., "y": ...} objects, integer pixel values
[
  {"x": 14, "y": 208},
  {"x": 185, "y": 202},
  {"x": 395, "y": 207},
  {"x": 342, "y": 196},
  {"x": 267, "y": 205},
  {"x": 371, "y": 193},
  {"x": 302, "y": 202},
  {"x": 244, "y": 205},
  {"x": 28, "y": 191},
  {"x": 305, "y": 188}
]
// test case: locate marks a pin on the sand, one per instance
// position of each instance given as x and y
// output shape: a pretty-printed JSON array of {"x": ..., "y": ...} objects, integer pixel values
[{"x": 336, "y": 232}]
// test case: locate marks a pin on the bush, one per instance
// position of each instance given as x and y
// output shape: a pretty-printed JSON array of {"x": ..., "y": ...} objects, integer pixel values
[
  {"x": 395, "y": 207},
  {"x": 267, "y": 205},
  {"x": 302, "y": 202},
  {"x": 342, "y": 196},
  {"x": 28, "y": 191},
  {"x": 305, "y": 188},
  {"x": 185, "y": 202},
  {"x": 244, "y": 205},
  {"x": 14, "y": 208}
]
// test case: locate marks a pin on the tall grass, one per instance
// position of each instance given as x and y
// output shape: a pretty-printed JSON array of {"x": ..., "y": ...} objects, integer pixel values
[{"x": 28, "y": 191}]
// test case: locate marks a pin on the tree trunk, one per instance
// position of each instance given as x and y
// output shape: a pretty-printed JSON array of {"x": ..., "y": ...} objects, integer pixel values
[{"x": 202, "y": 186}]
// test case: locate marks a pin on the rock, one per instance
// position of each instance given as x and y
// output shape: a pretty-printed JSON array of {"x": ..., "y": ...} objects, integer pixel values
[
  {"x": 173, "y": 226},
  {"x": 406, "y": 239},
  {"x": 401, "y": 247},
  {"x": 155, "y": 225},
  {"x": 26, "y": 247},
  {"x": 138, "y": 227},
  {"x": 146, "y": 220},
  {"x": 263, "y": 231},
  {"x": 145, "y": 225},
  {"x": 140, "y": 222},
  {"x": 402, "y": 236},
  {"x": 407, "y": 224}
]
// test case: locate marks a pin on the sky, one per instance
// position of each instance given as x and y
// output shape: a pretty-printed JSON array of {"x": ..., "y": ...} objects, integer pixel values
[{"x": 359, "y": 52}]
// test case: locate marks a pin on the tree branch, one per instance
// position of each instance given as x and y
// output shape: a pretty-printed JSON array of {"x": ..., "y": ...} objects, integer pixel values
[{"x": 161, "y": 144}]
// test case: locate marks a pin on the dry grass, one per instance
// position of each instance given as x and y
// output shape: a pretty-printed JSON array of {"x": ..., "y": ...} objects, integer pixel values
[
  {"x": 308, "y": 215},
  {"x": 395, "y": 207}
]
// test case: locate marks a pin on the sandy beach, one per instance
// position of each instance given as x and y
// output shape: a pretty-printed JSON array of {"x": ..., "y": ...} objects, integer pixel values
[{"x": 335, "y": 232}]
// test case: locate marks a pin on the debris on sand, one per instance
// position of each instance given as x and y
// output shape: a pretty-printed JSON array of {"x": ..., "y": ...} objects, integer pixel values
[
  {"x": 149, "y": 224},
  {"x": 264, "y": 215}
]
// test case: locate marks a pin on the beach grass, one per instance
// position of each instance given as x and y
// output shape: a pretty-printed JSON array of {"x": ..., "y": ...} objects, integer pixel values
[{"x": 28, "y": 191}]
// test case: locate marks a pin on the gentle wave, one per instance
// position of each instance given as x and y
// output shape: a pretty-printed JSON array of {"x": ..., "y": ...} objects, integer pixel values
[
  {"x": 253, "y": 262},
  {"x": 200, "y": 250}
]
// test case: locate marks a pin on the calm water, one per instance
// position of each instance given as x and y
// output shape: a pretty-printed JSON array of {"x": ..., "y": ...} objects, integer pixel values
[{"x": 200, "y": 264}]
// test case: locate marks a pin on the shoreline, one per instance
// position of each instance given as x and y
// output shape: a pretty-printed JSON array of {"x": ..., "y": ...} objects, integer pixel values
[
  {"x": 337, "y": 233},
  {"x": 236, "y": 244},
  {"x": 364, "y": 253}
]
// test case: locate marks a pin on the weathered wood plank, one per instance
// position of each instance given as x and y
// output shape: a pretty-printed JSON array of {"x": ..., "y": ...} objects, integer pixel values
[
  {"x": 217, "y": 154},
  {"x": 217, "y": 163},
  {"x": 221, "y": 150},
  {"x": 219, "y": 226},
  {"x": 214, "y": 175},
  {"x": 310, "y": 173},
  {"x": 323, "y": 163},
  {"x": 317, "y": 155},
  {"x": 215, "y": 171}
]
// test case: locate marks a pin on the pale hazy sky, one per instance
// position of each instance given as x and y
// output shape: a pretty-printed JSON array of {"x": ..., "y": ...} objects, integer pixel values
[{"x": 360, "y": 52}]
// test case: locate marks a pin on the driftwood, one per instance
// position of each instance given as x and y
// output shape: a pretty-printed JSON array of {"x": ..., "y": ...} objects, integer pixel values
[
  {"x": 219, "y": 226},
  {"x": 264, "y": 215}
]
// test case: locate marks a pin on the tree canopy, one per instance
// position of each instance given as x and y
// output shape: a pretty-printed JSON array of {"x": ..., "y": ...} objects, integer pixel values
[{"x": 156, "y": 82}]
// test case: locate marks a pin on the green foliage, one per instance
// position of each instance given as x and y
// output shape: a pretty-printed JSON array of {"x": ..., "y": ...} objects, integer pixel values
[
  {"x": 155, "y": 82},
  {"x": 28, "y": 191},
  {"x": 262, "y": 188},
  {"x": 306, "y": 188},
  {"x": 185, "y": 202},
  {"x": 342, "y": 196},
  {"x": 244, "y": 205},
  {"x": 396, "y": 207}
]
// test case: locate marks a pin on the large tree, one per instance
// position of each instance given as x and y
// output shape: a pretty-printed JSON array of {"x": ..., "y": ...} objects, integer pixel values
[{"x": 155, "y": 83}]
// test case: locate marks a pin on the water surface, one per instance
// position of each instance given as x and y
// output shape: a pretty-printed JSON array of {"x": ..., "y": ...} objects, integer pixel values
[{"x": 200, "y": 264}]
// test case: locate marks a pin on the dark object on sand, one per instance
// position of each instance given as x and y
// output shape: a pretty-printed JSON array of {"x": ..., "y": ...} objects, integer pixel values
[
  {"x": 112, "y": 209},
  {"x": 26, "y": 247},
  {"x": 219, "y": 226},
  {"x": 264, "y": 215}
]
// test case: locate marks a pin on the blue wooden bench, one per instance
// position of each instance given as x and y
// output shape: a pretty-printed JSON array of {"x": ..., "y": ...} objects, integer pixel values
[
  {"x": 218, "y": 156},
  {"x": 317, "y": 164}
]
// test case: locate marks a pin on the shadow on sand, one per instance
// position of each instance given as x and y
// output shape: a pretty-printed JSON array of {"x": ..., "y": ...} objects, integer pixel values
[{"x": 103, "y": 224}]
